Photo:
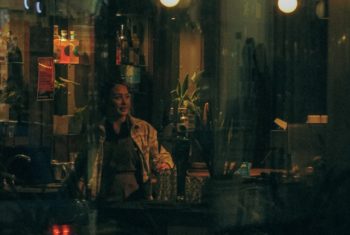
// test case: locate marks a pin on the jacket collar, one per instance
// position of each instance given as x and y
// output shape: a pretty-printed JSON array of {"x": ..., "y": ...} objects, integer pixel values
[
  {"x": 135, "y": 122},
  {"x": 134, "y": 125}
]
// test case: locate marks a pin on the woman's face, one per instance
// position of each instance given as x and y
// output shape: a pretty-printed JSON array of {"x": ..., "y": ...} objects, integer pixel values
[{"x": 121, "y": 100}]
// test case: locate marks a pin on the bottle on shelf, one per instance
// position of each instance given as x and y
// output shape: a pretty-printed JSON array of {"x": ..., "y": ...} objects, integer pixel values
[
  {"x": 64, "y": 48},
  {"x": 172, "y": 116},
  {"x": 73, "y": 48},
  {"x": 135, "y": 52},
  {"x": 128, "y": 35},
  {"x": 56, "y": 44},
  {"x": 118, "y": 50},
  {"x": 124, "y": 46},
  {"x": 127, "y": 31}
]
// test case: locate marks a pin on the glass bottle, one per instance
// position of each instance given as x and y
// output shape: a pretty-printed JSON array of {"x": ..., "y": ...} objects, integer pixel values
[
  {"x": 118, "y": 50},
  {"x": 136, "y": 46},
  {"x": 124, "y": 46},
  {"x": 64, "y": 48},
  {"x": 56, "y": 44},
  {"x": 74, "y": 48},
  {"x": 172, "y": 115}
]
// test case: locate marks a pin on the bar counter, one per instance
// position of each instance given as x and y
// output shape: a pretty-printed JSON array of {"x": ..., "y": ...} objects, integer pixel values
[
  {"x": 156, "y": 217},
  {"x": 266, "y": 201}
]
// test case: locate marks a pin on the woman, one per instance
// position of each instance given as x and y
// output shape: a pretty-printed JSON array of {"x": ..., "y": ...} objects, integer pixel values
[{"x": 130, "y": 151}]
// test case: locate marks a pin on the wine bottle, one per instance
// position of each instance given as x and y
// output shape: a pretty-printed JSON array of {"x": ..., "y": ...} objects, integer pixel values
[
  {"x": 118, "y": 50},
  {"x": 124, "y": 46},
  {"x": 136, "y": 46},
  {"x": 56, "y": 44}
]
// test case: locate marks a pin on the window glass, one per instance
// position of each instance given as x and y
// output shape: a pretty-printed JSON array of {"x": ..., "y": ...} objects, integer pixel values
[{"x": 229, "y": 94}]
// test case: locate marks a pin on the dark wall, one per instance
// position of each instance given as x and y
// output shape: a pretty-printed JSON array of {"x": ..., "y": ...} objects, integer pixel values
[
  {"x": 339, "y": 83},
  {"x": 300, "y": 63}
]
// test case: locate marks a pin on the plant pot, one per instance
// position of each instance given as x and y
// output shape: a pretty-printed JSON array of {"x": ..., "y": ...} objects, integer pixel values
[{"x": 186, "y": 120}]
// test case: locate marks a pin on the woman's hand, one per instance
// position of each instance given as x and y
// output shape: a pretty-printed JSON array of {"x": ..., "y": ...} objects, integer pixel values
[{"x": 163, "y": 166}]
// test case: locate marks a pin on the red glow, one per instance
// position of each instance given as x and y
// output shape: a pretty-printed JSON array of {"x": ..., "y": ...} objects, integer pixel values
[
  {"x": 65, "y": 230},
  {"x": 55, "y": 230},
  {"x": 61, "y": 229}
]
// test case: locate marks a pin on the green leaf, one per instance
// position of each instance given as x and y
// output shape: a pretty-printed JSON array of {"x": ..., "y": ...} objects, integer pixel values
[
  {"x": 181, "y": 101},
  {"x": 194, "y": 99},
  {"x": 81, "y": 113},
  {"x": 195, "y": 93},
  {"x": 11, "y": 94},
  {"x": 59, "y": 84},
  {"x": 178, "y": 88},
  {"x": 196, "y": 77},
  {"x": 68, "y": 81},
  {"x": 185, "y": 85},
  {"x": 193, "y": 108},
  {"x": 173, "y": 94}
]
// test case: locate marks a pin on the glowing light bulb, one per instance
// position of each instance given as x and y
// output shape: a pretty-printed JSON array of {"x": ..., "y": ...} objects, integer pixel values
[
  {"x": 169, "y": 3},
  {"x": 287, "y": 6}
]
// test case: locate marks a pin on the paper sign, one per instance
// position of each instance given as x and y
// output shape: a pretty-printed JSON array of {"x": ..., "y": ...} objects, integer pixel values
[{"x": 46, "y": 79}]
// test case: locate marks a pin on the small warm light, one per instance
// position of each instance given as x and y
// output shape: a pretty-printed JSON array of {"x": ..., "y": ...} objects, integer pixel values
[
  {"x": 342, "y": 40},
  {"x": 287, "y": 6},
  {"x": 169, "y": 3}
]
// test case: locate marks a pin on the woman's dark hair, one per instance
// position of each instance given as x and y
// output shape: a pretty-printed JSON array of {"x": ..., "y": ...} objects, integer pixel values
[{"x": 112, "y": 84}]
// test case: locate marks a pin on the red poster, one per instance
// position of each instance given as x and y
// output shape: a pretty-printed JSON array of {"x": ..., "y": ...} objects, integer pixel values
[{"x": 46, "y": 79}]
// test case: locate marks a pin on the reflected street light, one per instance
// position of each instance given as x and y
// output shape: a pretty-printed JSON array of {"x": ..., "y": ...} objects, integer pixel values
[
  {"x": 287, "y": 6},
  {"x": 169, "y": 3}
]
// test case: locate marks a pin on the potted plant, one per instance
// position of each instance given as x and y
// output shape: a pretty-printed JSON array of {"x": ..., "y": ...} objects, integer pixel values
[
  {"x": 68, "y": 124},
  {"x": 185, "y": 111},
  {"x": 185, "y": 99}
]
